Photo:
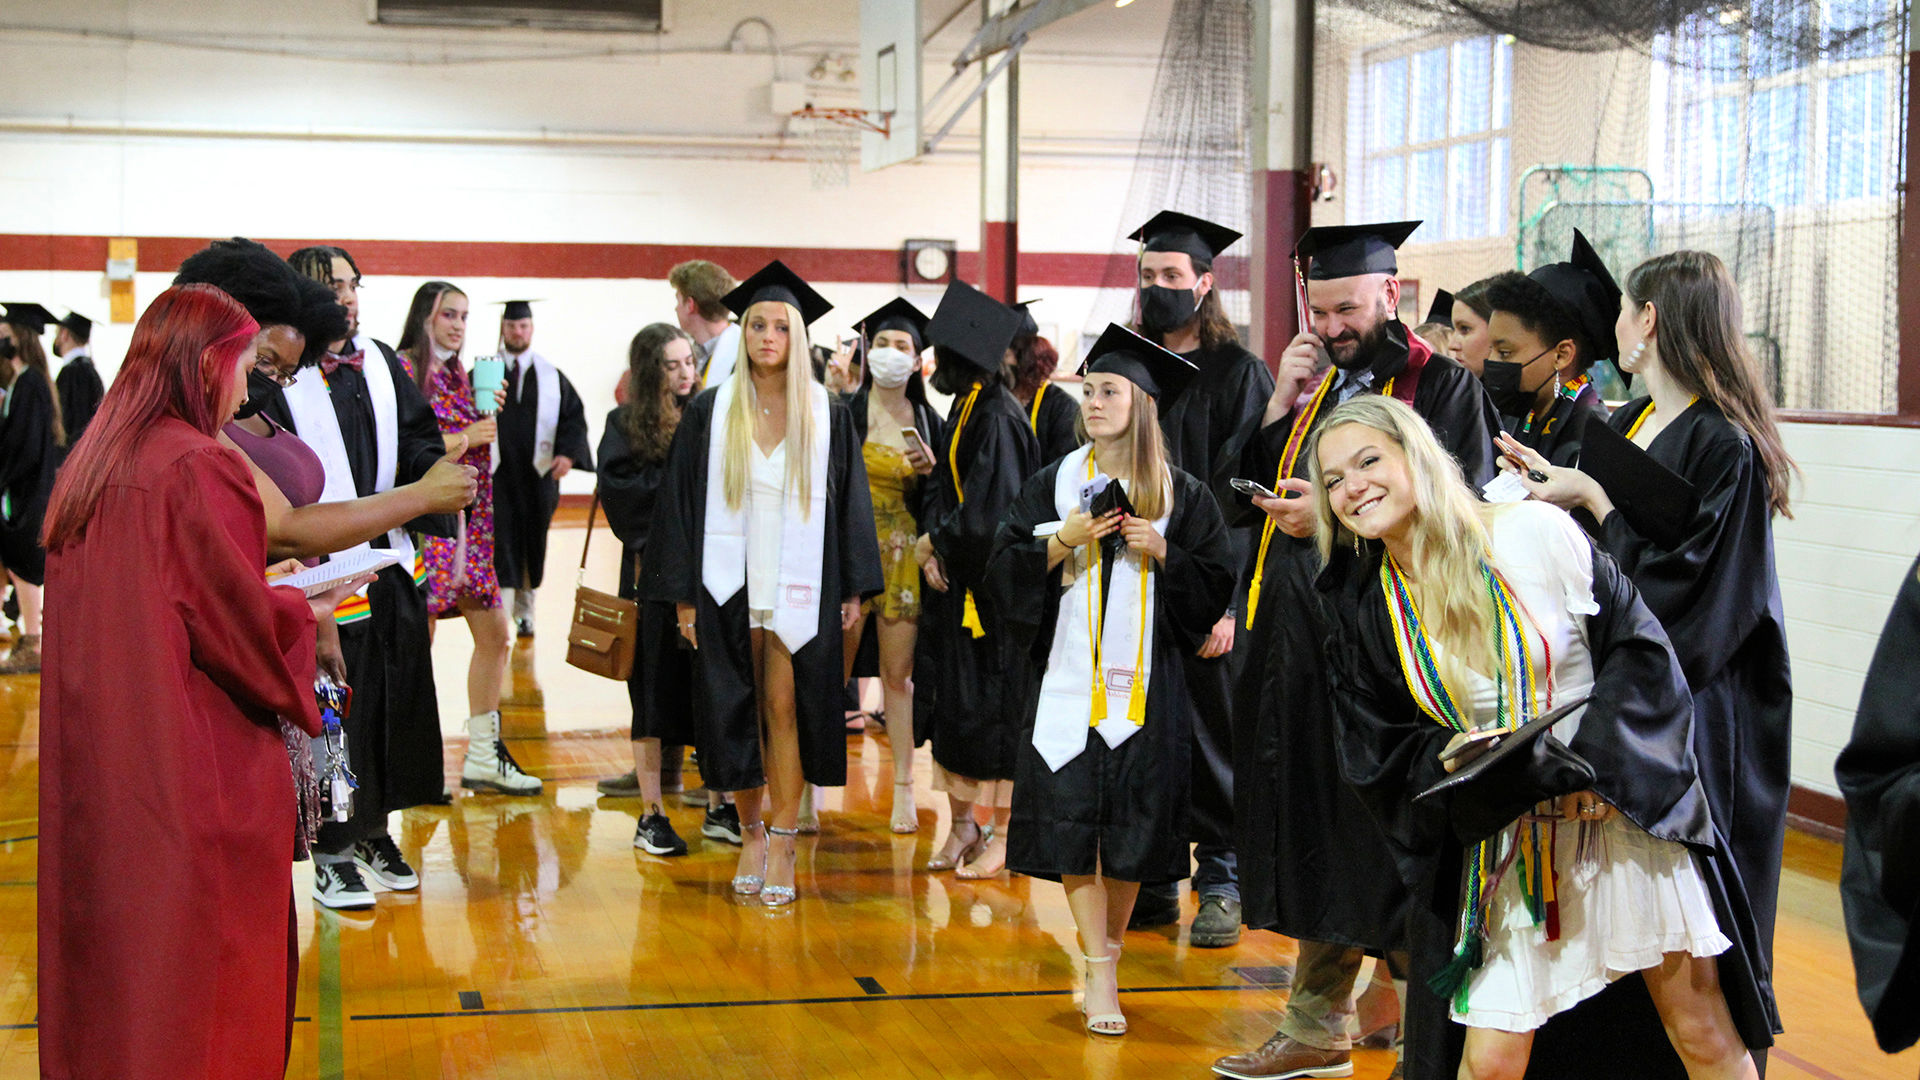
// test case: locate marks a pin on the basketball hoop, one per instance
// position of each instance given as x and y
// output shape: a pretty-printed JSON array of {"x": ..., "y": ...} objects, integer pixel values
[{"x": 831, "y": 137}]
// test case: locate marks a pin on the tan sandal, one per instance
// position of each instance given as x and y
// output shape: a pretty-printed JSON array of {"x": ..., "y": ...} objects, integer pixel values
[{"x": 1110, "y": 1023}]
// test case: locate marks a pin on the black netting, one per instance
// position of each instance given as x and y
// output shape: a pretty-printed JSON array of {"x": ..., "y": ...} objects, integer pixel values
[
  {"x": 1772, "y": 135},
  {"x": 1194, "y": 153}
]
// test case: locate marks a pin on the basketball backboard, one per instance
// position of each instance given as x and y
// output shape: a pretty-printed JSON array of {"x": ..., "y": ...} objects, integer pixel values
[{"x": 890, "y": 81}]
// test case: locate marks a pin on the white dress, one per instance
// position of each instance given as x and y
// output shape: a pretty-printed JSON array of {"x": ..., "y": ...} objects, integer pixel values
[
  {"x": 766, "y": 505},
  {"x": 1638, "y": 897}
]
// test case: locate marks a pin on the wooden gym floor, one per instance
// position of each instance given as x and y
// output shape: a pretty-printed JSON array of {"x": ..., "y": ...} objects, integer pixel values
[{"x": 541, "y": 944}]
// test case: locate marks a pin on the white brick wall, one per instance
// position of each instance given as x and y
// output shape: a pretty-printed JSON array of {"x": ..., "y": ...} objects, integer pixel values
[{"x": 1855, "y": 532}]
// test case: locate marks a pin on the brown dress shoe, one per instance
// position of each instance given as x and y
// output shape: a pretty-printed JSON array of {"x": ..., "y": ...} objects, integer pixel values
[{"x": 1281, "y": 1057}]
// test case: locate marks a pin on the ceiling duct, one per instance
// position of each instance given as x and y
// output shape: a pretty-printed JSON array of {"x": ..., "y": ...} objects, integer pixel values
[{"x": 623, "y": 16}]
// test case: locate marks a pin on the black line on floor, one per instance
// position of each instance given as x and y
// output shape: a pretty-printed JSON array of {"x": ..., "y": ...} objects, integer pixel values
[
  {"x": 870, "y": 984},
  {"x": 669, "y": 1006},
  {"x": 19, "y": 839},
  {"x": 470, "y": 1001}
]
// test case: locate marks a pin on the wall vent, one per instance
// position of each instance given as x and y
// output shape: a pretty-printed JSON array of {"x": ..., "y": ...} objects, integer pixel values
[{"x": 624, "y": 16}]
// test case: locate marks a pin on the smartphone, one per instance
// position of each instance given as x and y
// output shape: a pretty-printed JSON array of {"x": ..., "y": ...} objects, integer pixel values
[
  {"x": 1252, "y": 487},
  {"x": 1473, "y": 746},
  {"x": 912, "y": 435}
]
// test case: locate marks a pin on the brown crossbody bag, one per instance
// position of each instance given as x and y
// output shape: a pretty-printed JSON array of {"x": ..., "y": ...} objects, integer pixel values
[{"x": 605, "y": 628}]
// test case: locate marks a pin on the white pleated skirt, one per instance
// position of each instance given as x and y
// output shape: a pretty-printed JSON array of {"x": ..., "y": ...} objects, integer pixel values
[{"x": 1620, "y": 912}]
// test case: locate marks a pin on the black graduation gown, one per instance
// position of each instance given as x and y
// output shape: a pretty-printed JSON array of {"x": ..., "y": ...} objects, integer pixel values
[
  {"x": 28, "y": 458},
  {"x": 1557, "y": 437},
  {"x": 1122, "y": 811},
  {"x": 725, "y": 718},
  {"x": 1313, "y": 865},
  {"x": 393, "y": 732},
  {"x": 1718, "y": 599},
  {"x": 1056, "y": 425},
  {"x": 966, "y": 716},
  {"x": 80, "y": 391},
  {"x": 1230, "y": 392},
  {"x": 661, "y": 686},
  {"x": 524, "y": 500},
  {"x": 1879, "y": 772},
  {"x": 1636, "y": 735}
]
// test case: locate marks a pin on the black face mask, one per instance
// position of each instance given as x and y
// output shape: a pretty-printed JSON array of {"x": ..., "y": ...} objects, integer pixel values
[
  {"x": 1502, "y": 380},
  {"x": 8, "y": 350},
  {"x": 1164, "y": 310},
  {"x": 260, "y": 390}
]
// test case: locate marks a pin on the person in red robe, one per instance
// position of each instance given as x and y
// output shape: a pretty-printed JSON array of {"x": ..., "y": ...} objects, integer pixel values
[{"x": 166, "y": 797}]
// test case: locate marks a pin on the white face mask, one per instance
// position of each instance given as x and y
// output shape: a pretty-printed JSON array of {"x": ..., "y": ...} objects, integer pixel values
[{"x": 891, "y": 368}]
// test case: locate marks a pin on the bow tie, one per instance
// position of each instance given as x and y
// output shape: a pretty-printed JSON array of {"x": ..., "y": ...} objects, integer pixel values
[{"x": 331, "y": 362}]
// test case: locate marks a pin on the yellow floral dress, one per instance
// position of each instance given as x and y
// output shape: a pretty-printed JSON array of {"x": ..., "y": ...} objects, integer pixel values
[{"x": 890, "y": 477}]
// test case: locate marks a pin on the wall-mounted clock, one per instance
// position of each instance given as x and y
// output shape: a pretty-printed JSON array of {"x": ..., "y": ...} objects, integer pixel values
[{"x": 927, "y": 262}]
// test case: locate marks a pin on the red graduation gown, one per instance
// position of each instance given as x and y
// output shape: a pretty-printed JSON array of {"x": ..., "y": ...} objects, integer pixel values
[{"x": 166, "y": 801}]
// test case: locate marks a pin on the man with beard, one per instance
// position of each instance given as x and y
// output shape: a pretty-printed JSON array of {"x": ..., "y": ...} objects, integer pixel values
[
  {"x": 1313, "y": 864},
  {"x": 543, "y": 436},
  {"x": 1180, "y": 310},
  {"x": 362, "y": 413}
]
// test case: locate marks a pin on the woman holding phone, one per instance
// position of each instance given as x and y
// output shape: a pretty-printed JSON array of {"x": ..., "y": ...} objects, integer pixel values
[
  {"x": 1101, "y": 801},
  {"x": 896, "y": 428},
  {"x": 460, "y": 575},
  {"x": 1705, "y": 568},
  {"x": 1587, "y": 857}
]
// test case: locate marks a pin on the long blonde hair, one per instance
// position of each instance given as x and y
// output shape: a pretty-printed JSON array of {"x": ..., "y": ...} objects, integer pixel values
[
  {"x": 801, "y": 438},
  {"x": 1450, "y": 539},
  {"x": 1146, "y": 454}
]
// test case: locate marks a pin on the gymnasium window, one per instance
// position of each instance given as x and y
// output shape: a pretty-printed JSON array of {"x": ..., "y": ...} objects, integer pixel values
[
  {"x": 1764, "y": 119},
  {"x": 1436, "y": 136}
]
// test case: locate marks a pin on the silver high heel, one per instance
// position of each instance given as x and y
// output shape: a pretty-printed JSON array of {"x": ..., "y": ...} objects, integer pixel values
[
  {"x": 779, "y": 895},
  {"x": 750, "y": 884}
]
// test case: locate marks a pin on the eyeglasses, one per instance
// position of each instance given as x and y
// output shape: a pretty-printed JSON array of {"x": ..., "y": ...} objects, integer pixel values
[{"x": 281, "y": 378}]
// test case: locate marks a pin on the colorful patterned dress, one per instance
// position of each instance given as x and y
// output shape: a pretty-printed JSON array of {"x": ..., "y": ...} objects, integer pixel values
[
  {"x": 890, "y": 477},
  {"x": 462, "y": 569}
]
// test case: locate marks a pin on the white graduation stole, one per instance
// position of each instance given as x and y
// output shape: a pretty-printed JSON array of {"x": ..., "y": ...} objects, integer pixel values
[
  {"x": 1099, "y": 668},
  {"x": 803, "y": 530},
  {"x": 547, "y": 420}
]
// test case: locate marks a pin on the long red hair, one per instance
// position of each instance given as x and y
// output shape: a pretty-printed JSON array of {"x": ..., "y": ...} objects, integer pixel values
[{"x": 182, "y": 365}]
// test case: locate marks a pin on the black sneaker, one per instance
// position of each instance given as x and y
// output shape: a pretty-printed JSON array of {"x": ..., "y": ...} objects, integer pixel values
[
  {"x": 1154, "y": 909},
  {"x": 380, "y": 859},
  {"x": 655, "y": 836},
  {"x": 338, "y": 885},
  {"x": 722, "y": 823}
]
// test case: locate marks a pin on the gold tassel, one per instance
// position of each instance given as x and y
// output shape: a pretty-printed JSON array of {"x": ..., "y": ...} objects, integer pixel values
[{"x": 971, "y": 618}]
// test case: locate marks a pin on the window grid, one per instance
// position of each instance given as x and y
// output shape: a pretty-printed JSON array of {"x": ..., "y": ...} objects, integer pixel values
[
  {"x": 1437, "y": 145},
  {"x": 1792, "y": 136}
]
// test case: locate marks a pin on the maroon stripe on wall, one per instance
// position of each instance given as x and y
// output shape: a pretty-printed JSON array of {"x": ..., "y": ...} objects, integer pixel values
[{"x": 457, "y": 259}]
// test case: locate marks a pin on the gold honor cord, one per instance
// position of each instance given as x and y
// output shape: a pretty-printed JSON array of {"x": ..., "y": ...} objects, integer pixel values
[
  {"x": 1097, "y": 632},
  {"x": 1634, "y": 429},
  {"x": 1033, "y": 414},
  {"x": 970, "y": 617},
  {"x": 1296, "y": 438}
]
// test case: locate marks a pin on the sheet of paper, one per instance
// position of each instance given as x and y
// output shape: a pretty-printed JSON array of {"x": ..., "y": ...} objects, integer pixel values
[
  {"x": 318, "y": 579},
  {"x": 1505, "y": 488}
]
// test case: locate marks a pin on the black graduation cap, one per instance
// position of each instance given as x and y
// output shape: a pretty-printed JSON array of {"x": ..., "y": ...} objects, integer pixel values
[
  {"x": 1120, "y": 351},
  {"x": 517, "y": 309},
  {"x": 1171, "y": 230},
  {"x": 1028, "y": 327},
  {"x": 775, "y": 282},
  {"x": 1585, "y": 287},
  {"x": 896, "y": 314},
  {"x": 30, "y": 315},
  {"x": 974, "y": 327},
  {"x": 78, "y": 323},
  {"x": 1342, "y": 251},
  {"x": 1442, "y": 309}
]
